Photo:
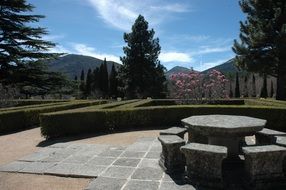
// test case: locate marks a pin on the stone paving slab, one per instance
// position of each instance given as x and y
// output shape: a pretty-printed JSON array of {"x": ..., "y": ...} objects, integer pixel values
[
  {"x": 113, "y": 167},
  {"x": 105, "y": 183}
]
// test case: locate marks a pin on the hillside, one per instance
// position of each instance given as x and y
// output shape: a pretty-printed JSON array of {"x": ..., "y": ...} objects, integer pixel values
[
  {"x": 71, "y": 64},
  {"x": 227, "y": 67},
  {"x": 175, "y": 70}
]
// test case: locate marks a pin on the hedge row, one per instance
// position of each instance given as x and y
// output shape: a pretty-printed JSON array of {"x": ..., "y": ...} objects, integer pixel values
[
  {"x": 69, "y": 123},
  {"x": 12, "y": 120},
  {"x": 27, "y": 102},
  {"x": 265, "y": 102},
  {"x": 30, "y": 106}
]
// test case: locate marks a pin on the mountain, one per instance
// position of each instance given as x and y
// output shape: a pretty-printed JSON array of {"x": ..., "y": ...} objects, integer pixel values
[
  {"x": 176, "y": 70},
  {"x": 227, "y": 67},
  {"x": 72, "y": 64}
]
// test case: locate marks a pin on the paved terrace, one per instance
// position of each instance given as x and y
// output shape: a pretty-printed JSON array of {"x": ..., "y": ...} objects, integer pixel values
[{"x": 112, "y": 167}]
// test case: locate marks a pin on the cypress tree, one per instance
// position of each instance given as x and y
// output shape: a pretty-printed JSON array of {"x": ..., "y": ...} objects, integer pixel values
[
  {"x": 113, "y": 83},
  {"x": 103, "y": 74},
  {"x": 88, "y": 83},
  {"x": 253, "y": 87},
  {"x": 95, "y": 79},
  {"x": 82, "y": 83},
  {"x": 271, "y": 90},
  {"x": 262, "y": 46},
  {"x": 230, "y": 90},
  {"x": 245, "y": 90},
  {"x": 141, "y": 74},
  {"x": 264, "y": 93},
  {"x": 237, "y": 91},
  {"x": 75, "y": 77}
]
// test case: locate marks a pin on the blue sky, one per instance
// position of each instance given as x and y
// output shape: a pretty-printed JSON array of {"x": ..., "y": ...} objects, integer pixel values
[{"x": 192, "y": 33}]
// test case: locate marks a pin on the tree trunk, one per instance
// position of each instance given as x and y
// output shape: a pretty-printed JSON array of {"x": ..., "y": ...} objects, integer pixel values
[{"x": 281, "y": 81}]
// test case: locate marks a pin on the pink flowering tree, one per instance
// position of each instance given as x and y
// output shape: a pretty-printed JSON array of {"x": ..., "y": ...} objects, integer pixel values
[
  {"x": 196, "y": 86},
  {"x": 187, "y": 85},
  {"x": 215, "y": 85}
]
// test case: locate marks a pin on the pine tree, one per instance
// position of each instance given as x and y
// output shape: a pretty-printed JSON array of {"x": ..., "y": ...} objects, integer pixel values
[
  {"x": 245, "y": 90},
  {"x": 253, "y": 87},
  {"x": 21, "y": 44},
  {"x": 141, "y": 74},
  {"x": 271, "y": 90},
  {"x": 264, "y": 93},
  {"x": 113, "y": 83},
  {"x": 262, "y": 46},
  {"x": 88, "y": 83},
  {"x": 95, "y": 80},
  {"x": 75, "y": 77},
  {"x": 237, "y": 91},
  {"x": 103, "y": 74}
]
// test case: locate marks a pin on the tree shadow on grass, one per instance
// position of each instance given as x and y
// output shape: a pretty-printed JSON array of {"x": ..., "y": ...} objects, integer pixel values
[{"x": 70, "y": 138}]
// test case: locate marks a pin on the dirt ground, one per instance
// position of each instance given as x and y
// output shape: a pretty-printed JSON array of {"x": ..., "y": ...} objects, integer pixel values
[{"x": 16, "y": 145}]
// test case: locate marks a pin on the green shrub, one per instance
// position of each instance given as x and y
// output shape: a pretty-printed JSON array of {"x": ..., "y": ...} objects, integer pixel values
[
  {"x": 76, "y": 122},
  {"x": 23, "y": 118},
  {"x": 265, "y": 102},
  {"x": 28, "y": 102},
  {"x": 30, "y": 106}
]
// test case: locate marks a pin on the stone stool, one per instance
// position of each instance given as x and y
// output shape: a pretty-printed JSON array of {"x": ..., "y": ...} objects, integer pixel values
[
  {"x": 264, "y": 167},
  {"x": 171, "y": 159},
  {"x": 204, "y": 164},
  {"x": 179, "y": 131},
  {"x": 267, "y": 136}
]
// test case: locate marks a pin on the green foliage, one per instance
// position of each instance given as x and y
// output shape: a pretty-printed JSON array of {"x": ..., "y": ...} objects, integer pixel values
[
  {"x": 96, "y": 120},
  {"x": 141, "y": 74},
  {"x": 88, "y": 83},
  {"x": 237, "y": 90},
  {"x": 19, "y": 119},
  {"x": 264, "y": 93},
  {"x": 253, "y": 87},
  {"x": 113, "y": 83},
  {"x": 103, "y": 80},
  {"x": 262, "y": 45}
]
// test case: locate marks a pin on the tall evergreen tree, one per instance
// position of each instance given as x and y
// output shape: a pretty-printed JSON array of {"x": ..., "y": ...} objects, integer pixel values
[
  {"x": 103, "y": 73},
  {"x": 237, "y": 90},
  {"x": 230, "y": 90},
  {"x": 88, "y": 83},
  {"x": 253, "y": 87},
  {"x": 82, "y": 83},
  {"x": 75, "y": 77},
  {"x": 262, "y": 46},
  {"x": 264, "y": 93},
  {"x": 271, "y": 90},
  {"x": 21, "y": 44},
  {"x": 245, "y": 90},
  {"x": 113, "y": 83},
  {"x": 141, "y": 74},
  {"x": 95, "y": 80}
]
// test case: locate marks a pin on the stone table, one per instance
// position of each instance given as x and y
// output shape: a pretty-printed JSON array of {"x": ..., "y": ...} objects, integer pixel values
[{"x": 224, "y": 130}]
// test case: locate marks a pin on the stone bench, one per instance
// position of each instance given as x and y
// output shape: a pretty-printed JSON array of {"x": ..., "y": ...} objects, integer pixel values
[
  {"x": 179, "y": 131},
  {"x": 280, "y": 140},
  {"x": 204, "y": 163},
  {"x": 267, "y": 136},
  {"x": 172, "y": 160},
  {"x": 264, "y": 166}
]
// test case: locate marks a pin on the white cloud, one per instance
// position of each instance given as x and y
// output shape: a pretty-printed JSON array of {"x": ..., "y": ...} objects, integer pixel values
[
  {"x": 84, "y": 49},
  {"x": 59, "y": 49},
  {"x": 53, "y": 37},
  {"x": 207, "y": 50},
  {"x": 166, "y": 57},
  {"x": 121, "y": 13}
]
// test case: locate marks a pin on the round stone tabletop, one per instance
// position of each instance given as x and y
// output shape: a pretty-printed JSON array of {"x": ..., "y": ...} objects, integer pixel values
[{"x": 220, "y": 125}]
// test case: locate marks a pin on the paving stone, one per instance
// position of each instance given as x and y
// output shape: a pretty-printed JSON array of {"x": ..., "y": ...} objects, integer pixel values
[
  {"x": 178, "y": 178},
  {"x": 118, "y": 172},
  {"x": 37, "y": 156},
  {"x": 104, "y": 183},
  {"x": 138, "y": 185},
  {"x": 102, "y": 161},
  {"x": 146, "y": 139},
  {"x": 56, "y": 157},
  {"x": 60, "y": 145},
  {"x": 14, "y": 166},
  {"x": 139, "y": 147},
  {"x": 147, "y": 174},
  {"x": 87, "y": 170},
  {"x": 111, "y": 153},
  {"x": 133, "y": 154},
  {"x": 92, "y": 150},
  {"x": 117, "y": 148},
  {"x": 131, "y": 162},
  {"x": 154, "y": 155},
  {"x": 156, "y": 147},
  {"x": 80, "y": 159},
  {"x": 151, "y": 163},
  {"x": 174, "y": 186},
  {"x": 63, "y": 169},
  {"x": 37, "y": 167}
]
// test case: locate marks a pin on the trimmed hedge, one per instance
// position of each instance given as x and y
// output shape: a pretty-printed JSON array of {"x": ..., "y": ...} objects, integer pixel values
[
  {"x": 23, "y": 118},
  {"x": 28, "y": 102},
  {"x": 30, "y": 106},
  {"x": 77, "y": 122}
]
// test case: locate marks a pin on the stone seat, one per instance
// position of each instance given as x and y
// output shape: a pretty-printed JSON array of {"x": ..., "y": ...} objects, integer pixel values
[
  {"x": 267, "y": 136},
  {"x": 264, "y": 166},
  {"x": 179, "y": 131},
  {"x": 172, "y": 159},
  {"x": 204, "y": 163},
  {"x": 280, "y": 140}
]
